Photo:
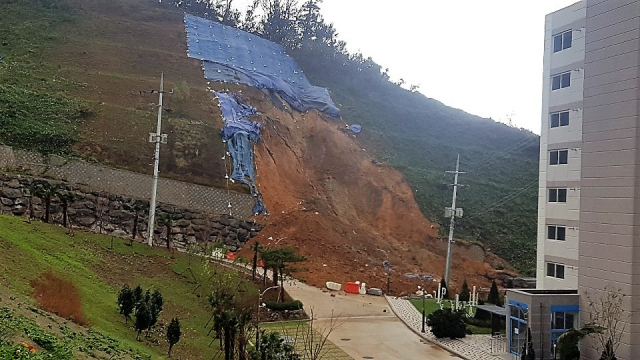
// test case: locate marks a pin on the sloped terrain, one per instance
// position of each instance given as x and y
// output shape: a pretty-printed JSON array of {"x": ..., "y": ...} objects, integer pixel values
[{"x": 328, "y": 194}]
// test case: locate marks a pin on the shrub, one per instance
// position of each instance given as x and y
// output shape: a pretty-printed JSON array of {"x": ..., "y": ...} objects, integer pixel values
[
  {"x": 282, "y": 306},
  {"x": 447, "y": 323}
]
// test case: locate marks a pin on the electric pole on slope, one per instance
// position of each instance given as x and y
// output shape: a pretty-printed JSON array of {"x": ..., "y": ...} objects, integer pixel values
[
  {"x": 453, "y": 212},
  {"x": 158, "y": 137}
]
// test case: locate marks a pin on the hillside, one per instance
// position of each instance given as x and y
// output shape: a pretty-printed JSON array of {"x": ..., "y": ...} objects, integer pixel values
[
  {"x": 78, "y": 277},
  {"x": 91, "y": 59}
]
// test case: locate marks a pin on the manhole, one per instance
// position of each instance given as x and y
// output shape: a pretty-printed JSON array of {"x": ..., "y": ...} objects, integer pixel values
[
  {"x": 345, "y": 339},
  {"x": 367, "y": 357}
]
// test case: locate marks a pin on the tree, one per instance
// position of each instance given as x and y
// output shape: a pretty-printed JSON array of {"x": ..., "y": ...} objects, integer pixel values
[
  {"x": 280, "y": 261},
  {"x": 66, "y": 198},
  {"x": 143, "y": 318},
  {"x": 567, "y": 346},
  {"x": 138, "y": 295},
  {"x": 138, "y": 209},
  {"x": 527, "y": 349},
  {"x": 126, "y": 302},
  {"x": 443, "y": 287},
  {"x": 607, "y": 353},
  {"x": 155, "y": 304},
  {"x": 256, "y": 249},
  {"x": 272, "y": 346},
  {"x": 167, "y": 221},
  {"x": 465, "y": 295},
  {"x": 494, "y": 295},
  {"x": 606, "y": 312},
  {"x": 46, "y": 192},
  {"x": 173, "y": 334},
  {"x": 447, "y": 323}
]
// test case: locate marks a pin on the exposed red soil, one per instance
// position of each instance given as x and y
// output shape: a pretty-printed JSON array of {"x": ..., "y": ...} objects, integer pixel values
[
  {"x": 58, "y": 296},
  {"x": 336, "y": 205}
]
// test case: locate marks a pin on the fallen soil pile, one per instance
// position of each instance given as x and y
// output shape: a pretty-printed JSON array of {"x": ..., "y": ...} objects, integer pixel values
[
  {"x": 338, "y": 206},
  {"x": 59, "y": 296}
]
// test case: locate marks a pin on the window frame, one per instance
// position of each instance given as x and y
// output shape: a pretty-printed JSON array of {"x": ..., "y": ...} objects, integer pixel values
[
  {"x": 566, "y": 40},
  {"x": 563, "y": 80},
  {"x": 555, "y": 273},
  {"x": 555, "y": 310},
  {"x": 556, "y": 232},
  {"x": 557, "y": 195},
  {"x": 559, "y": 115},
  {"x": 555, "y": 157}
]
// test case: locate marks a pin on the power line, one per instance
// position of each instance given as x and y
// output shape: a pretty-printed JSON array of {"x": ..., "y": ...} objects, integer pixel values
[
  {"x": 488, "y": 161},
  {"x": 505, "y": 199}
]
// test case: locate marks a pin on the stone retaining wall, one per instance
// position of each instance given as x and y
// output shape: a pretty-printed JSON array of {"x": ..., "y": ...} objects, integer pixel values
[{"x": 112, "y": 214}]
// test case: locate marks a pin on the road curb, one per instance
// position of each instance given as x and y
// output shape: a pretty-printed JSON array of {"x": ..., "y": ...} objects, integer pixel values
[{"x": 457, "y": 353}]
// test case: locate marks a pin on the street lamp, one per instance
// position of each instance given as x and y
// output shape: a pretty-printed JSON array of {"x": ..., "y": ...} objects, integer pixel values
[
  {"x": 258, "y": 312},
  {"x": 424, "y": 318}
]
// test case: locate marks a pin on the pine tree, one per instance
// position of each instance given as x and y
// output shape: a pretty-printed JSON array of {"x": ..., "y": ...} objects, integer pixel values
[
  {"x": 155, "y": 304},
  {"x": 527, "y": 349},
  {"x": 137, "y": 295},
  {"x": 143, "y": 318},
  {"x": 173, "y": 334},
  {"x": 494, "y": 295},
  {"x": 126, "y": 302},
  {"x": 465, "y": 295}
]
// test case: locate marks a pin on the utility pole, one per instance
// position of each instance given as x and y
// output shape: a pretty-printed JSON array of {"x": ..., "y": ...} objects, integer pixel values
[
  {"x": 157, "y": 137},
  {"x": 453, "y": 212}
]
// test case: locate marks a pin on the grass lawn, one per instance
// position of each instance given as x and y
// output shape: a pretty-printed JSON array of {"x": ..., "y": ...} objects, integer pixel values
[
  {"x": 290, "y": 328},
  {"x": 28, "y": 251},
  {"x": 430, "y": 305}
]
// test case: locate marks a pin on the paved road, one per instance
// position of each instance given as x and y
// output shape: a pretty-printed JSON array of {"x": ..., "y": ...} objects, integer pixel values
[{"x": 369, "y": 328}]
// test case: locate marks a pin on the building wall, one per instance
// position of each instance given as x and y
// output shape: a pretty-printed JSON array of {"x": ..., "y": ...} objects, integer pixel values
[
  {"x": 609, "y": 251},
  {"x": 569, "y": 137}
]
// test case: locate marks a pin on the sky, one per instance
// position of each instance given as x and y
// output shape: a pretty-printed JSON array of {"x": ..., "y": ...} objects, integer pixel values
[{"x": 484, "y": 57}]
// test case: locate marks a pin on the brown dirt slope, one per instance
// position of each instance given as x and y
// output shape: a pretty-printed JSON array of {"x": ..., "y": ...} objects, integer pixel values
[{"x": 331, "y": 200}]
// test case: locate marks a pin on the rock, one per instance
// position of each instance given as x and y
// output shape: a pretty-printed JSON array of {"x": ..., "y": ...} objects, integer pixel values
[
  {"x": 183, "y": 223},
  {"x": 166, "y": 208},
  {"x": 85, "y": 221},
  {"x": 14, "y": 184},
  {"x": 121, "y": 214},
  {"x": 11, "y": 193},
  {"x": 217, "y": 225},
  {"x": 119, "y": 233},
  {"x": 19, "y": 210},
  {"x": 188, "y": 216},
  {"x": 191, "y": 239},
  {"x": 243, "y": 234},
  {"x": 84, "y": 213},
  {"x": 6, "y": 201}
]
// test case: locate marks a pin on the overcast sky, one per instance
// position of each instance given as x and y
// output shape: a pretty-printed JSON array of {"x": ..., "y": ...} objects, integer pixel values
[{"x": 484, "y": 57}]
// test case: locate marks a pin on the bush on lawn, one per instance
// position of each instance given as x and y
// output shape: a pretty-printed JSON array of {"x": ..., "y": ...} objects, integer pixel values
[
  {"x": 447, "y": 323},
  {"x": 282, "y": 306}
]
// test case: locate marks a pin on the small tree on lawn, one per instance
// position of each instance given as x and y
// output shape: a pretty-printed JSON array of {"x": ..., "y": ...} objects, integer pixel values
[
  {"x": 138, "y": 209},
  {"x": 167, "y": 221},
  {"x": 126, "y": 302},
  {"x": 494, "y": 295},
  {"x": 46, "y": 192},
  {"x": 138, "y": 295},
  {"x": 447, "y": 323},
  {"x": 465, "y": 295},
  {"x": 155, "y": 303},
  {"x": 256, "y": 249},
  {"x": 173, "y": 334},
  {"x": 143, "y": 318},
  {"x": 66, "y": 198},
  {"x": 527, "y": 349}
]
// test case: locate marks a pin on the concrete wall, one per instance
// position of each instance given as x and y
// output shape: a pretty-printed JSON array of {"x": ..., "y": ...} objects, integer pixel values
[
  {"x": 569, "y": 137},
  {"x": 539, "y": 316},
  {"x": 609, "y": 252}
]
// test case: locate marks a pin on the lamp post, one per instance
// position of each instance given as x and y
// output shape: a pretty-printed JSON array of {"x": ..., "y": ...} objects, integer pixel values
[
  {"x": 424, "y": 318},
  {"x": 258, "y": 312}
]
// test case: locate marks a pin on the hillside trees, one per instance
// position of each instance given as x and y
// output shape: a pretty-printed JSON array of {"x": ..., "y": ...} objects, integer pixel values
[
  {"x": 126, "y": 302},
  {"x": 173, "y": 334}
]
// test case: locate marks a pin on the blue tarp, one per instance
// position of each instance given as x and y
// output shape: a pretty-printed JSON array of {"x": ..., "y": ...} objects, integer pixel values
[
  {"x": 355, "y": 128},
  {"x": 232, "y": 55},
  {"x": 240, "y": 134}
]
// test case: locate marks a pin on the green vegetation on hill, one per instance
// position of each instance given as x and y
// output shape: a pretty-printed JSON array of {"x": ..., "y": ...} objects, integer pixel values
[{"x": 29, "y": 251}]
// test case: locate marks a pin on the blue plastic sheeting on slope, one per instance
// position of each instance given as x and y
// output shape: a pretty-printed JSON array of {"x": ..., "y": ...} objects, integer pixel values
[
  {"x": 240, "y": 135},
  {"x": 355, "y": 128},
  {"x": 236, "y": 56}
]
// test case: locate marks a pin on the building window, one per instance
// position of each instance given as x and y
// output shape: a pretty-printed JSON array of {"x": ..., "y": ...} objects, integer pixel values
[
  {"x": 555, "y": 270},
  {"x": 556, "y": 232},
  {"x": 559, "y": 119},
  {"x": 563, "y": 318},
  {"x": 557, "y": 195},
  {"x": 562, "y": 41},
  {"x": 558, "y": 157},
  {"x": 561, "y": 81}
]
